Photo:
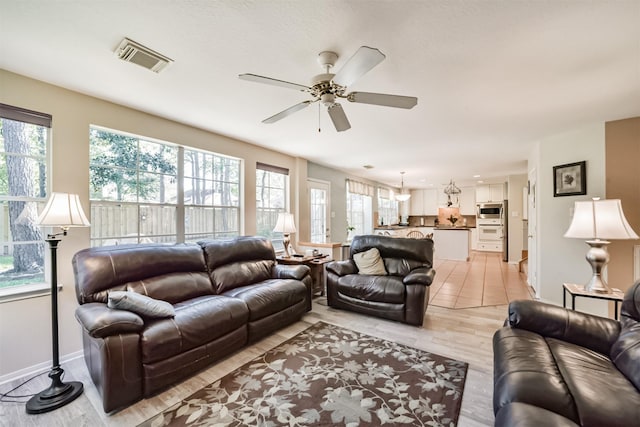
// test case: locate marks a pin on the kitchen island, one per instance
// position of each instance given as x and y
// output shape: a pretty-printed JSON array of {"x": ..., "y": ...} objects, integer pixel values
[{"x": 452, "y": 243}]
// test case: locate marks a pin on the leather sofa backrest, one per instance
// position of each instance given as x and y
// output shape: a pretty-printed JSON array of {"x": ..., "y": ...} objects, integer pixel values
[
  {"x": 149, "y": 269},
  {"x": 238, "y": 262},
  {"x": 625, "y": 351},
  {"x": 400, "y": 255}
]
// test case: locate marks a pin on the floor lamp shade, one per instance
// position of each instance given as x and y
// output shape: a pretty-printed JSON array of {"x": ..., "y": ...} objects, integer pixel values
[
  {"x": 285, "y": 225},
  {"x": 62, "y": 210},
  {"x": 597, "y": 221}
]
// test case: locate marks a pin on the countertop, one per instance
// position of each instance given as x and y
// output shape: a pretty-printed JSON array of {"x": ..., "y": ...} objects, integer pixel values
[{"x": 436, "y": 227}]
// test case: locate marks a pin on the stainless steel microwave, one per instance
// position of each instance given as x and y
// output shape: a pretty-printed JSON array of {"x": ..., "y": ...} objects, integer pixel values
[{"x": 489, "y": 210}]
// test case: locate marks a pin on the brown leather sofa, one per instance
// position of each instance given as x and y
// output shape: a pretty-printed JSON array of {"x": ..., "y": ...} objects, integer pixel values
[
  {"x": 225, "y": 294},
  {"x": 558, "y": 367},
  {"x": 401, "y": 295}
]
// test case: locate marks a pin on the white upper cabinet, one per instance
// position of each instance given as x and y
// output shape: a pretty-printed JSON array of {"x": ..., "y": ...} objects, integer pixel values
[
  {"x": 416, "y": 204},
  {"x": 489, "y": 193},
  {"x": 467, "y": 201},
  {"x": 431, "y": 201},
  {"x": 423, "y": 202}
]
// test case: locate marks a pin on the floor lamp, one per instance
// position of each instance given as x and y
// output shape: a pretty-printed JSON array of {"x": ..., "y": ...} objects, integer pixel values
[
  {"x": 62, "y": 210},
  {"x": 598, "y": 220},
  {"x": 285, "y": 225}
]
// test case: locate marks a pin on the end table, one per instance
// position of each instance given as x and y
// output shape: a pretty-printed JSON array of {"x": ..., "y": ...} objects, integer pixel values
[
  {"x": 578, "y": 291},
  {"x": 315, "y": 263}
]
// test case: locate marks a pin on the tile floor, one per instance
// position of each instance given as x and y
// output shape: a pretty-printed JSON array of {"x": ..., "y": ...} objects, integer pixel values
[{"x": 483, "y": 281}]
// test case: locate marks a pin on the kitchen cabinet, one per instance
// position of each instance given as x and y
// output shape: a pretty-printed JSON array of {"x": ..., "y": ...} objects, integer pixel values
[
  {"x": 474, "y": 239},
  {"x": 489, "y": 193},
  {"x": 467, "y": 201},
  {"x": 430, "y": 201},
  {"x": 423, "y": 202},
  {"x": 416, "y": 207}
]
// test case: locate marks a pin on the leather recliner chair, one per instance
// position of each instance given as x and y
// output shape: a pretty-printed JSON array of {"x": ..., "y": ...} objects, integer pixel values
[{"x": 401, "y": 295}]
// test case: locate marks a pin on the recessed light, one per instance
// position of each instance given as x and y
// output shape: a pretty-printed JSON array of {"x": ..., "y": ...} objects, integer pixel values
[
  {"x": 480, "y": 181},
  {"x": 476, "y": 176}
]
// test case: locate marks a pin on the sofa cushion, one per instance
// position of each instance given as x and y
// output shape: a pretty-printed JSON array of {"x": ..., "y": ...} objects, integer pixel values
[
  {"x": 616, "y": 400},
  {"x": 197, "y": 321},
  {"x": 370, "y": 262},
  {"x": 173, "y": 287},
  {"x": 240, "y": 274},
  {"x": 400, "y": 266},
  {"x": 270, "y": 296},
  {"x": 525, "y": 371},
  {"x": 387, "y": 289},
  {"x": 140, "y": 304},
  {"x": 524, "y": 415},
  {"x": 132, "y": 267}
]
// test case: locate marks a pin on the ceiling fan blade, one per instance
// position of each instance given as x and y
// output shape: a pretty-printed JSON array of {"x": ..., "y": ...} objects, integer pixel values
[
  {"x": 358, "y": 65},
  {"x": 275, "y": 82},
  {"x": 397, "y": 101},
  {"x": 338, "y": 117},
  {"x": 289, "y": 111}
]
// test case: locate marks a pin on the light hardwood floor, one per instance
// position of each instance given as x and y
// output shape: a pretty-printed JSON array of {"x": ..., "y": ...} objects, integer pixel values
[{"x": 463, "y": 334}]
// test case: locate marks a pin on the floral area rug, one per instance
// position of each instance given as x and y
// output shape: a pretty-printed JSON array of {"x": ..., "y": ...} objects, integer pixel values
[{"x": 324, "y": 376}]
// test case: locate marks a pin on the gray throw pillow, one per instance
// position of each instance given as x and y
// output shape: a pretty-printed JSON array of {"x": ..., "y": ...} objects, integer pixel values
[
  {"x": 370, "y": 262},
  {"x": 140, "y": 304}
]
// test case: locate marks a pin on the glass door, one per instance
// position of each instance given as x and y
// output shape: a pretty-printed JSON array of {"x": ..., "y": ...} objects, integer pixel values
[{"x": 319, "y": 210}]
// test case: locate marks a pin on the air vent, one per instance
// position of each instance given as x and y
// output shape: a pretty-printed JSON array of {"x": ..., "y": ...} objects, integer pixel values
[{"x": 130, "y": 51}]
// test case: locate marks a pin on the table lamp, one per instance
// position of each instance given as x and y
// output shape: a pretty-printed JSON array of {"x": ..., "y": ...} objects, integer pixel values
[
  {"x": 599, "y": 220},
  {"x": 285, "y": 225},
  {"x": 62, "y": 210}
]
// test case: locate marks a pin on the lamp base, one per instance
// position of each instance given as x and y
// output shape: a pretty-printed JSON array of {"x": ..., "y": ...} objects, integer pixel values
[
  {"x": 56, "y": 396},
  {"x": 598, "y": 257},
  {"x": 286, "y": 241}
]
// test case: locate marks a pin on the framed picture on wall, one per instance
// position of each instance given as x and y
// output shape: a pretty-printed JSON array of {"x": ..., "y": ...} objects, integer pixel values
[{"x": 570, "y": 179}]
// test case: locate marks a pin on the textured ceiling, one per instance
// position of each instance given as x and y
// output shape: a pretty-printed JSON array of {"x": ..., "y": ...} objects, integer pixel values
[{"x": 491, "y": 77}]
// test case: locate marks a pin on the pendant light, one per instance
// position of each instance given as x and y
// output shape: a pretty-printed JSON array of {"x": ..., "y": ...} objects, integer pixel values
[{"x": 402, "y": 197}]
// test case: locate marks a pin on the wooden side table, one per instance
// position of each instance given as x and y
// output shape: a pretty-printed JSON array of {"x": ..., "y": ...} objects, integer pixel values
[
  {"x": 578, "y": 291},
  {"x": 315, "y": 263}
]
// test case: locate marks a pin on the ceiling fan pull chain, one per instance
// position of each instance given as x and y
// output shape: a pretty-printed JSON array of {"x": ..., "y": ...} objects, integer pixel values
[{"x": 319, "y": 130}]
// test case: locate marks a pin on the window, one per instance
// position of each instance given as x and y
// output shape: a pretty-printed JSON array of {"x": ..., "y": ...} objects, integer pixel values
[
  {"x": 211, "y": 196},
  {"x": 271, "y": 199},
  {"x": 359, "y": 207},
  {"x": 24, "y": 148},
  {"x": 387, "y": 207},
  {"x": 135, "y": 195}
]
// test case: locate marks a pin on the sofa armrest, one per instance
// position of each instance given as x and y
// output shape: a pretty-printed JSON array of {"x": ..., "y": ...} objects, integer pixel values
[
  {"x": 419, "y": 276},
  {"x": 101, "y": 321},
  {"x": 342, "y": 268},
  {"x": 297, "y": 272},
  {"x": 583, "y": 329}
]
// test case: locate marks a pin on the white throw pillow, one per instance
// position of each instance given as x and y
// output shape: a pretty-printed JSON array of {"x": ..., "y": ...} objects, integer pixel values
[
  {"x": 140, "y": 304},
  {"x": 370, "y": 262}
]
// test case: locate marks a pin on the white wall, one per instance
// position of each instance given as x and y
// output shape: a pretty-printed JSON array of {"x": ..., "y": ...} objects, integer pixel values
[
  {"x": 559, "y": 259},
  {"x": 25, "y": 325},
  {"x": 515, "y": 184}
]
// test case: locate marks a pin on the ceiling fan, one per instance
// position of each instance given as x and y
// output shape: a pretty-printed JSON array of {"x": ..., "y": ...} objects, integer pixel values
[{"x": 328, "y": 87}]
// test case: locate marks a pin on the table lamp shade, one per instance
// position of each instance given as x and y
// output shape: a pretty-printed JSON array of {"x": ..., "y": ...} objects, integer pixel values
[
  {"x": 600, "y": 219},
  {"x": 63, "y": 210},
  {"x": 285, "y": 223}
]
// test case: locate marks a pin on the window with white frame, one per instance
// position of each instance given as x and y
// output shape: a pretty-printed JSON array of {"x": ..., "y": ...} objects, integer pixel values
[
  {"x": 387, "y": 207},
  {"x": 272, "y": 183},
  {"x": 24, "y": 159},
  {"x": 211, "y": 196},
  {"x": 360, "y": 207},
  {"x": 135, "y": 197}
]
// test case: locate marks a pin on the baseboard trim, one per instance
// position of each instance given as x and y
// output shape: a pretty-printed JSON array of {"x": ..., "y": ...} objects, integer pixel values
[{"x": 37, "y": 369}]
